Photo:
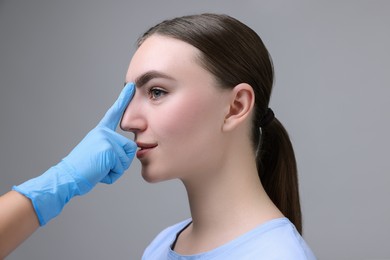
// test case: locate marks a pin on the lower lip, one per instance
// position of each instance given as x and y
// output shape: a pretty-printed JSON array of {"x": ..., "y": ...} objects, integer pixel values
[{"x": 143, "y": 152}]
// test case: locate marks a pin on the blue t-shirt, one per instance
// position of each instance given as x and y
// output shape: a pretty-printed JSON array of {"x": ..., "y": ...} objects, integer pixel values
[{"x": 275, "y": 239}]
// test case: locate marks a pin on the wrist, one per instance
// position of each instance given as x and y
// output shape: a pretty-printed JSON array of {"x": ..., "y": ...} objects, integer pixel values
[{"x": 50, "y": 191}]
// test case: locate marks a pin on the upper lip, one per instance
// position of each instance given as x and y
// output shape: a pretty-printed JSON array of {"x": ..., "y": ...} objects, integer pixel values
[{"x": 146, "y": 145}]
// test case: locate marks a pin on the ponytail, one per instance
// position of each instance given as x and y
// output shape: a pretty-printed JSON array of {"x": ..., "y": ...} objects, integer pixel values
[{"x": 277, "y": 170}]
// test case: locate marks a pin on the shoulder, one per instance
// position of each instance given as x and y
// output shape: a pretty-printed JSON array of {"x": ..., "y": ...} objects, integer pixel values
[
  {"x": 278, "y": 239},
  {"x": 275, "y": 239},
  {"x": 160, "y": 246}
]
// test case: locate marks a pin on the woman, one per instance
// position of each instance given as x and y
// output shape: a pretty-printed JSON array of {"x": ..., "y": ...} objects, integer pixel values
[{"x": 200, "y": 113}]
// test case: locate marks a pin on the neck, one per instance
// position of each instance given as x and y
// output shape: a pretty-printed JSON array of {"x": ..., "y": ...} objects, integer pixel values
[
  {"x": 231, "y": 197},
  {"x": 226, "y": 199}
]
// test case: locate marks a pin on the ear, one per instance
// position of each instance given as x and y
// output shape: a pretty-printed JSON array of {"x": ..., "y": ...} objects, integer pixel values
[{"x": 241, "y": 105}]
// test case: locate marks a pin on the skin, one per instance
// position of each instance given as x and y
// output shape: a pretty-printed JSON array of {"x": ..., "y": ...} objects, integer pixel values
[
  {"x": 200, "y": 135},
  {"x": 17, "y": 221},
  {"x": 187, "y": 100}
]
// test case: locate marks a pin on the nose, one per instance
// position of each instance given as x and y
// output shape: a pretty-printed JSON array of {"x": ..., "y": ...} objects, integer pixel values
[{"x": 133, "y": 119}]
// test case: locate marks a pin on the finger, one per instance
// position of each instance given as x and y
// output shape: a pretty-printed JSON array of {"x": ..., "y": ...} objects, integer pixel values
[
  {"x": 121, "y": 156},
  {"x": 115, "y": 173},
  {"x": 121, "y": 160},
  {"x": 129, "y": 146},
  {"x": 107, "y": 179},
  {"x": 130, "y": 149},
  {"x": 114, "y": 114}
]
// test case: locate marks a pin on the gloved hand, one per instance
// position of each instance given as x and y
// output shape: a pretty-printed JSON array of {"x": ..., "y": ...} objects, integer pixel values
[{"x": 102, "y": 156}]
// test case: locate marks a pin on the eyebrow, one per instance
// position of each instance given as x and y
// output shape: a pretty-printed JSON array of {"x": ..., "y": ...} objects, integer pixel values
[{"x": 148, "y": 76}]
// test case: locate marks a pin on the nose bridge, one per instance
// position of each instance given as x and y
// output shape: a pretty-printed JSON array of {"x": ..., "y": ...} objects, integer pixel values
[{"x": 133, "y": 119}]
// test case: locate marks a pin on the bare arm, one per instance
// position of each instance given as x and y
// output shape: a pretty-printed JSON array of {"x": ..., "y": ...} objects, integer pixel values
[{"x": 17, "y": 221}]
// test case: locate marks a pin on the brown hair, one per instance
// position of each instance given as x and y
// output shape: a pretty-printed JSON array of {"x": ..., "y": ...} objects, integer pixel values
[{"x": 235, "y": 54}]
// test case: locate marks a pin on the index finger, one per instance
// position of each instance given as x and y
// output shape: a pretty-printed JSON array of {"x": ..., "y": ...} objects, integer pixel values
[{"x": 114, "y": 114}]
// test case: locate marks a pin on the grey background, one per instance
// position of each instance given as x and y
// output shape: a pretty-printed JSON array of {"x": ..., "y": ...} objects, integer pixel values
[{"x": 63, "y": 63}]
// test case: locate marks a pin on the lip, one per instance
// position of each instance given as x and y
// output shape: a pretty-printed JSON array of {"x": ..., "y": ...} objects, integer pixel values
[{"x": 144, "y": 149}]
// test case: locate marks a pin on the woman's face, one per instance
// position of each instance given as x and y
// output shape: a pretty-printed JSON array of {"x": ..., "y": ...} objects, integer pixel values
[{"x": 177, "y": 112}]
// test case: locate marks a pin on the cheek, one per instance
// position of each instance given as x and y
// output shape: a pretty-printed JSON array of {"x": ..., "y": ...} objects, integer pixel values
[
  {"x": 188, "y": 132},
  {"x": 187, "y": 118}
]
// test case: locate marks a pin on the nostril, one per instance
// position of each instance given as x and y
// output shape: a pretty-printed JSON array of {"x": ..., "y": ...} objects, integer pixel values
[
  {"x": 134, "y": 125},
  {"x": 122, "y": 127}
]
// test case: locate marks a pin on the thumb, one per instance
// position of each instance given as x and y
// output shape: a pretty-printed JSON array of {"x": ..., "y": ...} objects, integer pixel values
[
  {"x": 114, "y": 114},
  {"x": 130, "y": 149}
]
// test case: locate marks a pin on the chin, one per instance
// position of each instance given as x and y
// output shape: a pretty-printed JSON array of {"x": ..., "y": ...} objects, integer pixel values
[
  {"x": 153, "y": 177},
  {"x": 150, "y": 179}
]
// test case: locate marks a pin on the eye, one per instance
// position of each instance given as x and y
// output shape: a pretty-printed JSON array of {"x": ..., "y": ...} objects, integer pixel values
[{"x": 156, "y": 93}]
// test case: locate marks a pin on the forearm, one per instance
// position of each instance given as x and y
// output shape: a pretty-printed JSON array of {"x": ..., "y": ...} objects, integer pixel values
[{"x": 17, "y": 221}]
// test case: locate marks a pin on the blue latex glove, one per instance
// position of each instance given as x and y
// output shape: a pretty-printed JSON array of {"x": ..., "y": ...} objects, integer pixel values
[{"x": 102, "y": 156}]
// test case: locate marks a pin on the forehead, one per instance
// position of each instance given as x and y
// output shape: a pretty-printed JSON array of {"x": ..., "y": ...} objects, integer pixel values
[{"x": 165, "y": 54}]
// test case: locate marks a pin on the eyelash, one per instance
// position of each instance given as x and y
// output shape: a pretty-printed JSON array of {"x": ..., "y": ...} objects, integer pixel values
[{"x": 151, "y": 93}]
